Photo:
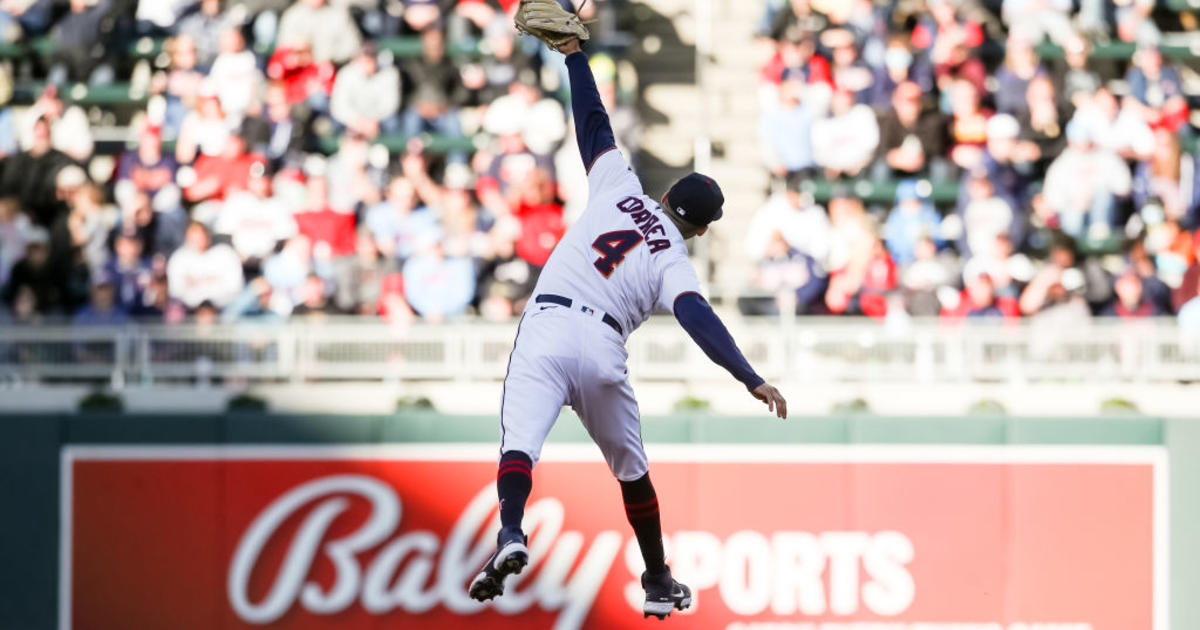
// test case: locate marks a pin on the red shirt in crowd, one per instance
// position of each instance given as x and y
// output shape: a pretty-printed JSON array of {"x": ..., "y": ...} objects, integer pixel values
[
  {"x": 301, "y": 77},
  {"x": 325, "y": 225},
  {"x": 218, "y": 175},
  {"x": 541, "y": 229}
]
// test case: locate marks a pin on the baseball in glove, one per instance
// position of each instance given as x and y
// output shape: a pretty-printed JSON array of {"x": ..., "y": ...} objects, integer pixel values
[{"x": 549, "y": 22}]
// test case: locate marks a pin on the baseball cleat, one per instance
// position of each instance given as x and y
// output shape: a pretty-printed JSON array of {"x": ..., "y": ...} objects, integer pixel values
[
  {"x": 664, "y": 595},
  {"x": 510, "y": 558}
]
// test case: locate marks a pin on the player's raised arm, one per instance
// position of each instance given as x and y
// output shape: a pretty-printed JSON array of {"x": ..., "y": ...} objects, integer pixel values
[
  {"x": 563, "y": 31},
  {"x": 707, "y": 330},
  {"x": 592, "y": 129}
]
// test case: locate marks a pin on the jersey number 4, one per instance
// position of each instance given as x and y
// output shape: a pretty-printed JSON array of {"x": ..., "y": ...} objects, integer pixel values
[{"x": 612, "y": 247}]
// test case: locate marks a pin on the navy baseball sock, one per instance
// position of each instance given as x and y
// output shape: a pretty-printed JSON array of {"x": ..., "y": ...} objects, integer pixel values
[
  {"x": 641, "y": 507},
  {"x": 514, "y": 479}
]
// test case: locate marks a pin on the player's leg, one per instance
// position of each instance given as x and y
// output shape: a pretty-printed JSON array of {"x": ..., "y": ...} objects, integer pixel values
[
  {"x": 534, "y": 393},
  {"x": 610, "y": 413}
]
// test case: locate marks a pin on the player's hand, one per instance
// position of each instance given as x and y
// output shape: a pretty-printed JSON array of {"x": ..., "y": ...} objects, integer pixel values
[
  {"x": 571, "y": 46},
  {"x": 771, "y": 398}
]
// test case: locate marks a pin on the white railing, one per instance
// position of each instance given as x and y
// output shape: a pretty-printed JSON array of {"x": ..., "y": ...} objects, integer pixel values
[{"x": 807, "y": 350}]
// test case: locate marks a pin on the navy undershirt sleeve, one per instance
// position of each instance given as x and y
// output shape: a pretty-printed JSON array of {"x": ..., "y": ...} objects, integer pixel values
[
  {"x": 592, "y": 129},
  {"x": 706, "y": 329}
]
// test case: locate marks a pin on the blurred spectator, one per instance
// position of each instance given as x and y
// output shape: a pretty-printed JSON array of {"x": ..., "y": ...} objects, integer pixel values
[
  {"x": 1122, "y": 130},
  {"x": 205, "y": 129},
  {"x": 1158, "y": 87},
  {"x": 70, "y": 131},
  {"x": 911, "y": 221},
  {"x": 1189, "y": 286},
  {"x": 1169, "y": 176},
  {"x": 541, "y": 218},
  {"x": 1033, "y": 20},
  {"x": 235, "y": 73},
  {"x": 1041, "y": 122},
  {"x": 147, "y": 168},
  {"x": 796, "y": 60},
  {"x": 1009, "y": 271},
  {"x": 1083, "y": 184},
  {"x": 34, "y": 285},
  {"x": 205, "y": 28},
  {"x": 327, "y": 28},
  {"x": 911, "y": 136},
  {"x": 397, "y": 223},
  {"x": 158, "y": 17},
  {"x": 181, "y": 85},
  {"x": 985, "y": 215},
  {"x": 844, "y": 142},
  {"x": 1079, "y": 81},
  {"x": 363, "y": 293},
  {"x": 200, "y": 272},
  {"x": 1058, "y": 282},
  {"x": 83, "y": 231},
  {"x": 1189, "y": 312},
  {"x": 849, "y": 72},
  {"x": 314, "y": 299},
  {"x": 979, "y": 299},
  {"x": 438, "y": 286},
  {"x": 923, "y": 278},
  {"x": 797, "y": 15},
  {"x": 504, "y": 63},
  {"x": 1130, "y": 302},
  {"x": 786, "y": 132},
  {"x": 14, "y": 228},
  {"x": 274, "y": 132},
  {"x": 217, "y": 176},
  {"x": 802, "y": 224},
  {"x": 366, "y": 98},
  {"x": 968, "y": 127},
  {"x": 77, "y": 37},
  {"x": 1020, "y": 67},
  {"x": 253, "y": 221},
  {"x": 31, "y": 174},
  {"x": 897, "y": 68},
  {"x": 436, "y": 90},
  {"x": 1134, "y": 22},
  {"x": 103, "y": 309},
  {"x": 303, "y": 77},
  {"x": 129, "y": 272},
  {"x": 1157, "y": 292},
  {"x": 861, "y": 286},
  {"x": 286, "y": 270}
]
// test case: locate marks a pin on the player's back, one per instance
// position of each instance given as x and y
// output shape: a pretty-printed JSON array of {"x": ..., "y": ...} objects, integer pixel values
[{"x": 621, "y": 252}]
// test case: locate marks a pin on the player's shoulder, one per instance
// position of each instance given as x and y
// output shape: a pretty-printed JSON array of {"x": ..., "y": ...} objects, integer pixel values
[{"x": 613, "y": 170}]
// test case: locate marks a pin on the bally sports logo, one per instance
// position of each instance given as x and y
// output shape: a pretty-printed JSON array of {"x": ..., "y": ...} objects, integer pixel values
[
  {"x": 768, "y": 537},
  {"x": 416, "y": 571}
]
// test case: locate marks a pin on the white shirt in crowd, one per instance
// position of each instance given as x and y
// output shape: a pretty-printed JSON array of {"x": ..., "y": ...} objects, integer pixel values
[
  {"x": 214, "y": 274},
  {"x": 255, "y": 225},
  {"x": 805, "y": 229}
]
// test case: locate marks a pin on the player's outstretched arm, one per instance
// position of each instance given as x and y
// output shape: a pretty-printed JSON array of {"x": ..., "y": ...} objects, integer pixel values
[
  {"x": 706, "y": 329},
  {"x": 592, "y": 129}
]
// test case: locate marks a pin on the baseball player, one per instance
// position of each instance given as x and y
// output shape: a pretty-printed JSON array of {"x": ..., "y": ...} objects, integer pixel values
[{"x": 623, "y": 259}]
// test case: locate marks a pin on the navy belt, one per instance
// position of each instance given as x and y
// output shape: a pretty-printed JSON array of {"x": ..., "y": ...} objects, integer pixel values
[{"x": 550, "y": 298}]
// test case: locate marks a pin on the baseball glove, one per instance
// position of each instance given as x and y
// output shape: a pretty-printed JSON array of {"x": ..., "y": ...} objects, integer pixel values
[{"x": 549, "y": 22}]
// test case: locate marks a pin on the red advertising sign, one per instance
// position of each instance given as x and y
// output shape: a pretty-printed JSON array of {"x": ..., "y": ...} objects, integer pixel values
[{"x": 769, "y": 538}]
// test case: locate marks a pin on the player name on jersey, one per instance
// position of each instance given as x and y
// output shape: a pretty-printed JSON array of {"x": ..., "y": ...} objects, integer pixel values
[{"x": 647, "y": 222}]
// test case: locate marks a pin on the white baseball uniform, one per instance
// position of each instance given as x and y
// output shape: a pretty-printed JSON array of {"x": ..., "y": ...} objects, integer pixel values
[{"x": 623, "y": 258}]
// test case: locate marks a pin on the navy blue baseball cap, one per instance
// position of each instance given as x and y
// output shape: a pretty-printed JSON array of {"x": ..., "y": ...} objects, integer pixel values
[{"x": 696, "y": 199}]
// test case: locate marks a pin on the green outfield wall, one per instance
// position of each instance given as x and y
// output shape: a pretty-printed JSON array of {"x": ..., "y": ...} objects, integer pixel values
[{"x": 30, "y": 447}]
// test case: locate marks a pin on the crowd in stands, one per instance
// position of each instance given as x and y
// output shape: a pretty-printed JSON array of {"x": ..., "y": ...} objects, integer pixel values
[
  {"x": 1076, "y": 179},
  {"x": 286, "y": 158}
]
